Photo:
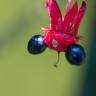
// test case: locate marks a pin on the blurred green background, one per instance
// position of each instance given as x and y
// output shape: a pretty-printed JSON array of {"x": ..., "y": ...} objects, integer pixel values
[{"x": 22, "y": 74}]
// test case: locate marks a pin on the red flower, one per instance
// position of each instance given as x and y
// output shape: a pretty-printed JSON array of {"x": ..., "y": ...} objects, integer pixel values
[{"x": 63, "y": 30}]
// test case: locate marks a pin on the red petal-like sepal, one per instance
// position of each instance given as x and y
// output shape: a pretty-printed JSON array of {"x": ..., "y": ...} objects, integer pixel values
[
  {"x": 70, "y": 18},
  {"x": 54, "y": 13},
  {"x": 80, "y": 16}
]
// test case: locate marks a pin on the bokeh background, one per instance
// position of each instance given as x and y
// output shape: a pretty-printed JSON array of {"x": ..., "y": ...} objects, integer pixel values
[{"x": 22, "y": 74}]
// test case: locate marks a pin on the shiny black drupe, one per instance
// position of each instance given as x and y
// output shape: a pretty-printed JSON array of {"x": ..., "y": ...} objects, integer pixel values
[
  {"x": 75, "y": 54},
  {"x": 36, "y": 44}
]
